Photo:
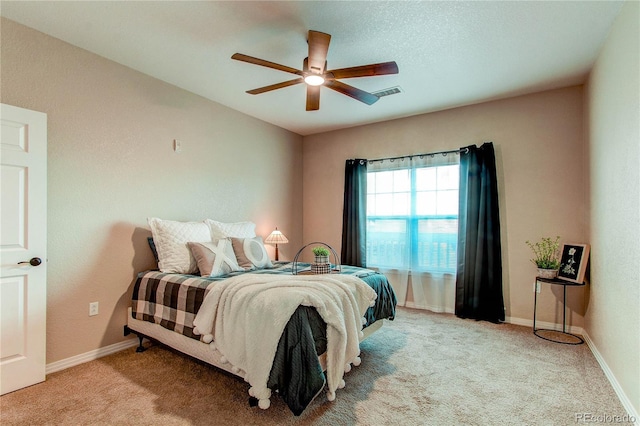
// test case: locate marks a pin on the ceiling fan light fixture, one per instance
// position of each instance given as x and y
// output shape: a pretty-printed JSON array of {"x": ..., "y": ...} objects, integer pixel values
[
  {"x": 314, "y": 80},
  {"x": 314, "y": 73}
]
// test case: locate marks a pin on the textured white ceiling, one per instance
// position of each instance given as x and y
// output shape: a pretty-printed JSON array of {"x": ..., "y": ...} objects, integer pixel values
[{"x": 449, "y": 53}]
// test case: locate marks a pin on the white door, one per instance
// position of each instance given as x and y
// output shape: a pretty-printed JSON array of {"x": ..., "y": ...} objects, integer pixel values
[{"x": 23, "y": 238}]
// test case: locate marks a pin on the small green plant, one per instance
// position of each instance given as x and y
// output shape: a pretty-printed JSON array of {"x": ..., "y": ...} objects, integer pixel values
[
  {"x": 546, "y": 253},
  {"x": 320, "y": 251}
]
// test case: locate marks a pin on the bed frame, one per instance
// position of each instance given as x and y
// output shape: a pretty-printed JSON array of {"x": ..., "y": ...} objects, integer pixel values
[{"x": 196, "y": 348}]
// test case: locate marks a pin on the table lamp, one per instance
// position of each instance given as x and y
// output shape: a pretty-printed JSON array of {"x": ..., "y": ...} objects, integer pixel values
[{"x": 276, "y": 237}]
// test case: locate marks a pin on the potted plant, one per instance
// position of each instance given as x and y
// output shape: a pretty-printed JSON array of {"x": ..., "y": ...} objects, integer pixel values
[
  {"x": 546, "y": 256},
  {"x": 321, "y": 254}
]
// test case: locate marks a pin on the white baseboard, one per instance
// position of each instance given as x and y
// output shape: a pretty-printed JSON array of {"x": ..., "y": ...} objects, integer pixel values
[
  {"x": 626, "y": 402},
  {"x": 89, "y": 356},
  {"x": 436, "y": 309},
  {"x": 543, "y": 324}
]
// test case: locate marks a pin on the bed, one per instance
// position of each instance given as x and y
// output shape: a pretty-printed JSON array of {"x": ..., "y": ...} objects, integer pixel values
[{"x": 175, "y": 309}]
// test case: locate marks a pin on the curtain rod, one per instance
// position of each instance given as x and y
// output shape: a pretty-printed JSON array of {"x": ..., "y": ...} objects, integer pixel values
[{"x": 432, "y": 154}]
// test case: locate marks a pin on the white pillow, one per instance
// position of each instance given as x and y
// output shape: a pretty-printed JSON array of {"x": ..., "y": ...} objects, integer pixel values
[
  {"x": 215, "y": 258},
  {"x": 231, "y": 230},
  {"x": 251, "y": 253},
  {"x": 171, "y": 237}
]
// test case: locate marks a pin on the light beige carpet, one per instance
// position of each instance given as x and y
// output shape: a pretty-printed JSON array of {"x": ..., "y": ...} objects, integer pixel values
[{"x": 421, "y": 369}]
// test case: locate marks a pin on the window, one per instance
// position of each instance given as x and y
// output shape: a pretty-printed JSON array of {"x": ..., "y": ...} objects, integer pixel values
[{"x": 412, "y": 216}]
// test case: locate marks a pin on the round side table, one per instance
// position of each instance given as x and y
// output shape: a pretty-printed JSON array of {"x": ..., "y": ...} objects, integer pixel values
[{"x": 573, "y": 338}]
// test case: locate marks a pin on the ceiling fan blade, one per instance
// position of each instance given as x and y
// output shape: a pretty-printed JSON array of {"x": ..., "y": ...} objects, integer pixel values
[
  {"x": 351, "y": 91},
  {"x": 318, "y": 48},
  {"x": 313, "y": 98},
  {"x": 275, "y": 86},
  {"x": 262, "y": 62},
  {"x": 384, "y": 68}
]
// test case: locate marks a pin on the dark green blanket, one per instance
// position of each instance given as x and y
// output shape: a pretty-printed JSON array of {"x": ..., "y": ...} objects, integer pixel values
[{"x": 296, "y": 372}]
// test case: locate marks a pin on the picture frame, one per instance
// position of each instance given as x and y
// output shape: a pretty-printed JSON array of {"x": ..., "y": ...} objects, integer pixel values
[{"x": 573, "y": 262}]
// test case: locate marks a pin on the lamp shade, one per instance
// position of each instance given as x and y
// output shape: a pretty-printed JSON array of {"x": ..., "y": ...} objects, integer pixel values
[{"x": 276, "y": 237}]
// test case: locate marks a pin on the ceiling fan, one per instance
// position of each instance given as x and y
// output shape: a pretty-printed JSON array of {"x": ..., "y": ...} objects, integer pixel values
[{"x": 315, "y": 74}]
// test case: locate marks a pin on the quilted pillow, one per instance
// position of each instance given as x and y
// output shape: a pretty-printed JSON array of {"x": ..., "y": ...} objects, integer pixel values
[
  {"x": 171, "y": 237},
  {"x": 231, "y": 230},
  {"x": 251, "y": 253},
  {"x": 215, "y": 258}
]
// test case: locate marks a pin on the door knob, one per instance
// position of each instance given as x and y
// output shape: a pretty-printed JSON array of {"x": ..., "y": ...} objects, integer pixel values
[{"x": 35, "y": 261}]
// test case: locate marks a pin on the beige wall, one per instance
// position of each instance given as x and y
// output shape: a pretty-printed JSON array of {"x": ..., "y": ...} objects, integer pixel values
[
  {"x": 613, "y": 96},
  {"x": 540, "y": 154},
  {"x": 111, "y": 165}
]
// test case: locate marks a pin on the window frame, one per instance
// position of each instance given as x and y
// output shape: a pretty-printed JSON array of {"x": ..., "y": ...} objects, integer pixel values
[{"x": 412, "y": 222}]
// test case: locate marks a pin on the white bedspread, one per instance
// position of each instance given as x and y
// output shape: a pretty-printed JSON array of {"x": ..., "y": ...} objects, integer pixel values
[{"x": 246, "y": 315}]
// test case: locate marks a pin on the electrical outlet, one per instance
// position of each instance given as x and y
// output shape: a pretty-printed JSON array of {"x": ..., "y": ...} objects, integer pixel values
[{"x": 93, "y": 309}]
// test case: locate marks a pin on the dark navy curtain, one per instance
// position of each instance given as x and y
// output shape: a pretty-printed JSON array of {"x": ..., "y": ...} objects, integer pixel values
[
  {"x": 479, "y": 274},
  {"x": 354, "y": 215}
]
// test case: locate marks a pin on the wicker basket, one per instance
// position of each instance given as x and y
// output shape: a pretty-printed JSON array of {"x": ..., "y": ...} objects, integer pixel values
[{"x": 547, "y": 273}]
